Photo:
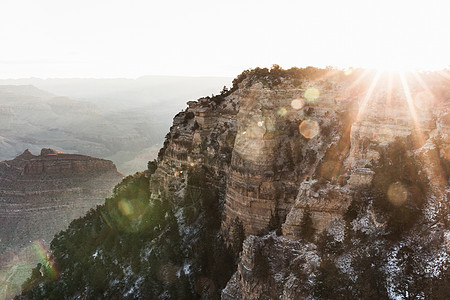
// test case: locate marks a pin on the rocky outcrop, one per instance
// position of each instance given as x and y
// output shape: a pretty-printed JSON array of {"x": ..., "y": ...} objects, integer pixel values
[
  {"x": 268, "y": 268},
  {"x": 56, "y": 163},
  {"x": 270, "y": 155},
  {"x": 202, "y": 136},
  {"x": 331, "y": 184},
  {"x": 280, "y": 152},
  {"x": 298, "y": 145},
  {"x": 39, "y": 196},
  {"x": 382, "y": 114}
]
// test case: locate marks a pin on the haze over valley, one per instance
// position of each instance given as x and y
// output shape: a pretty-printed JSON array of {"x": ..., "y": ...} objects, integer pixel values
[
  {"x": 240, "y": 149},
  {"x": 124, "y": 120}
]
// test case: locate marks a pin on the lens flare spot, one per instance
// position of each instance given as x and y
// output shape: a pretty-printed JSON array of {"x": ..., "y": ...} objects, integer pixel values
[
  {"x": 348, "y": 72},
  {"x": 282, "y": 111},
  {"x": 260, "y": 123},
  {"x": 397, "y": 193},
  {"x": 125, "y": 207},
  {"x": 106, "y": 219},
  {"x": 312, "y": 94},
  {"x": 298, "y": 103},
  {"x": 309, "y": 128}
]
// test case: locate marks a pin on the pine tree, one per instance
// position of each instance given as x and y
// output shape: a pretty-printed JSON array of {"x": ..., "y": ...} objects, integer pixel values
[
  {"x": 261, "y": 268},
  {"x": 306, "y": 226},
  {"x": 238, "y": 236}
]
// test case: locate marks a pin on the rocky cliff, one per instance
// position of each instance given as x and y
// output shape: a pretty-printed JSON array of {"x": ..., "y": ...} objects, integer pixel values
[
  {"x": 328, "y": 183},
  {"x": 39, "y": 196},
  {"x": 386, "y": 157},
  {"x": 310, "y": 149}
]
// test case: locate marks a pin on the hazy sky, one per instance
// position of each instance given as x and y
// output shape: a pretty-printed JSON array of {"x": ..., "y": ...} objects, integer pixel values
[{"x": 130, "y": 38}]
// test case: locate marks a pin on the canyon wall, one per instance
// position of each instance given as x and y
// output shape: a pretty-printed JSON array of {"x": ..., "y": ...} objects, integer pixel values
[
  {"x": 283, "y": 152},
  {"x": 308, "y": 150},
  {"x": 39, "y": 196},
  {"x": 331, "y": 185},
  {"x": 278, "y": 147},
  {"x": 407, "y": 116}
]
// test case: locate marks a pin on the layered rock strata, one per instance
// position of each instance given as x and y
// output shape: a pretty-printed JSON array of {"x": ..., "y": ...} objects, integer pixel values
[
  {"x": 251, "y": 142},
  {"x": 405, "y": 114},
  {"x": 52, "y": 188},
  {"x": 39, "y": 196},
  {"x": 202, "y": 136},
  {"x": 337, "y": 183},
  {"x": 270, "y": 156}
]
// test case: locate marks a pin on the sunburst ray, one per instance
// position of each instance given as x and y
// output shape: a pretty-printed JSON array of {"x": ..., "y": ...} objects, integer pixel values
[{"x": 420, "y": 140}]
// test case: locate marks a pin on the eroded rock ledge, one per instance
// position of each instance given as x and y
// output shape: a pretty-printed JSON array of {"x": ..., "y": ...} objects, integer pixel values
[
  {"x": 41, "y": 194},
  {"x": 270, "y": 174}
]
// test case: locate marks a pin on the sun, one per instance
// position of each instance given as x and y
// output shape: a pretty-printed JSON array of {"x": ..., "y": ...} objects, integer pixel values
[
  {"x": 399, "y": 65},
  {"x": 397, "y": 85},
  {"x": 396, "y": 68}
]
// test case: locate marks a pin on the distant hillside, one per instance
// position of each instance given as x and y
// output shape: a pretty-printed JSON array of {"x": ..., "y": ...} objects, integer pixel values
[
  {"x": 119, "y": 119},
  {"x": 31, "y": 118},
  {"x": 120, "y": 93},
  {"x": 39, "y": 196}
]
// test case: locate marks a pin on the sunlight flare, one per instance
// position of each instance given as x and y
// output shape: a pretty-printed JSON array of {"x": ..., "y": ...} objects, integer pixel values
[
  {"x": 312, "y": 94},
  {"x": 412, "y": 110},
  {"x": 298, "y": 103},
  {"x": 309, "y": 128}
]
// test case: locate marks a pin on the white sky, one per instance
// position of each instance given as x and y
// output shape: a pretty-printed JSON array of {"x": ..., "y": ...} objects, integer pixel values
[{"x": 130, "y": 38}]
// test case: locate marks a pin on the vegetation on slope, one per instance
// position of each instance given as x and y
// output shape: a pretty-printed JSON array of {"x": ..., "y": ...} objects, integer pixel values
[
  {"x": 389, "y": 248},
  {"x": 134, "y": 247}
]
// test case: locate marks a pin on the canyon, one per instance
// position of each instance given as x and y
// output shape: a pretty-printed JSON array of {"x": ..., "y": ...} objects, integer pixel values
[
  {"x": 327, "y": 184},
  {"x": 39, "y": 196},
  {"x": 123, "y": 120}
]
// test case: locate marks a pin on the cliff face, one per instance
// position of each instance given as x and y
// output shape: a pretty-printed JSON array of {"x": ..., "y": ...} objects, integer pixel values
[
  {"x": 249, "y": 142},
  {"x": 39, "y": 196},
  {"x": 201, "y": 138},
  {"x": 329, "y": 184},
  {"x": 387, "y": 155},
  {"x": 315, "y": 149}
]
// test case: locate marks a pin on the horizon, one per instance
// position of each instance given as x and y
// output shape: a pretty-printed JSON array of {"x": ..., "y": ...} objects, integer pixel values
[
  {"x": 380, "y": 70},
  {"x": 126, "y": 78}
]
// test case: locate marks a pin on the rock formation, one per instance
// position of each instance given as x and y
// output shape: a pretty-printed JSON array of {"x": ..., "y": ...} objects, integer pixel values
[
  {"x": 409, "y": 117},
  {"x": 39, "y": 196},
  {"x": 337, "y": 182},
  {"x": 279, "y": 171}
]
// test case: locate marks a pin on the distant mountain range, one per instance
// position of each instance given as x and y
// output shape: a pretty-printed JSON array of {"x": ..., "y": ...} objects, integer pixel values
[{"x": 119, "y": 119}]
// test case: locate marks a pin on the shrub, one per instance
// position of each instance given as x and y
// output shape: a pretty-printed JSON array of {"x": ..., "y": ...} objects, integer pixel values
[{"x": 306, "y": 226}]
